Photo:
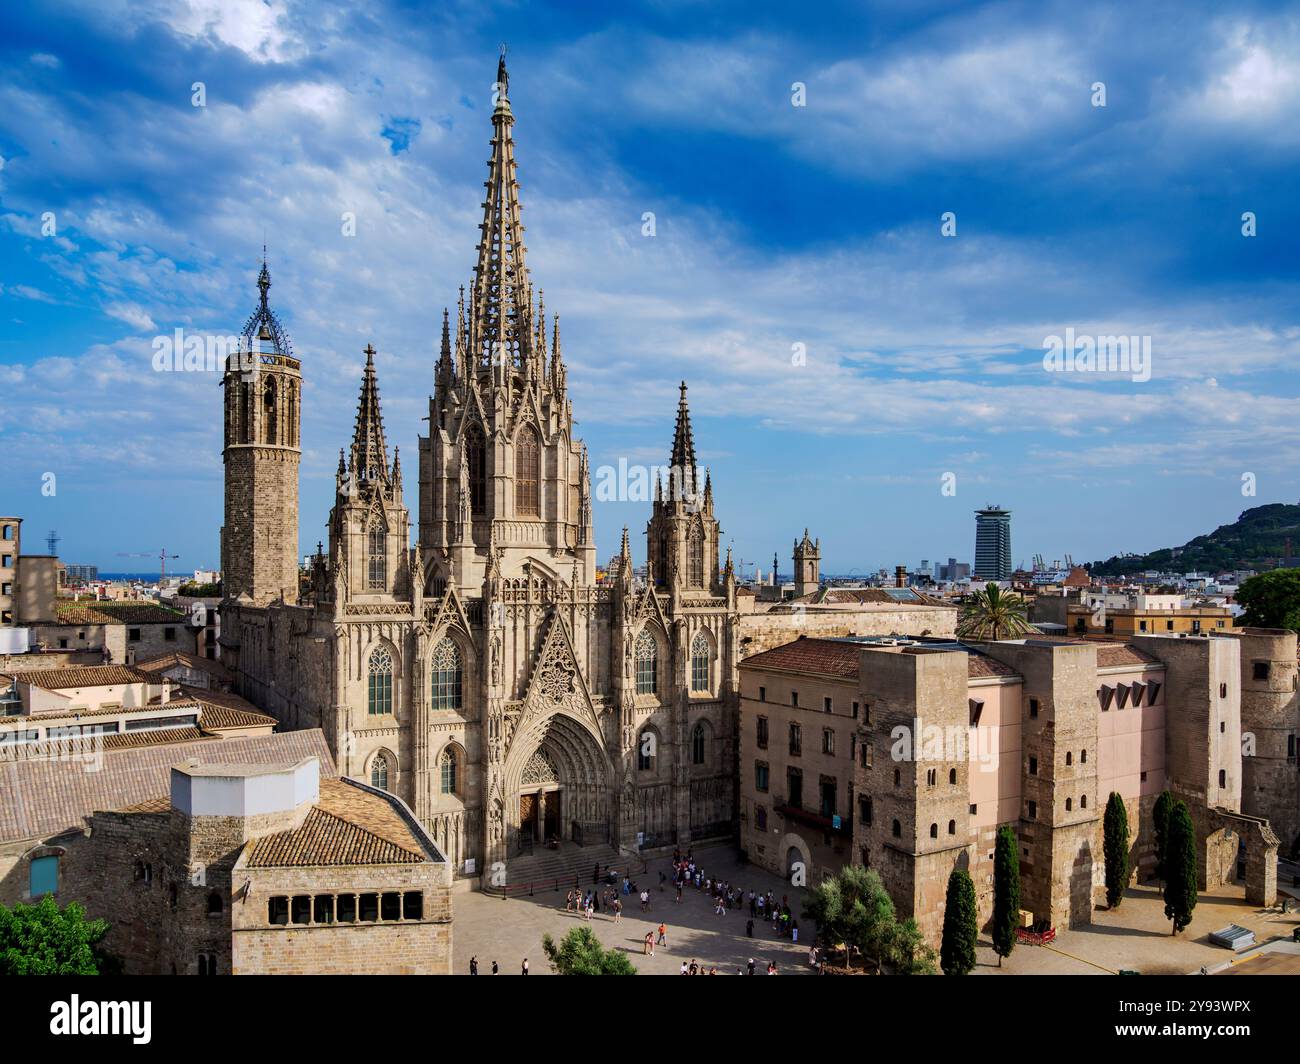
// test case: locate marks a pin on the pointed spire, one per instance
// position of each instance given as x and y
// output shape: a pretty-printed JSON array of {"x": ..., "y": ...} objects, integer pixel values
[
  {"x": 369, "y": 458},
  {"x": 397, "y": 469},
  {"x": 262, "y": 330},
  {"x": 499, "y": 319},
  {"x": 683, "y": 438}
]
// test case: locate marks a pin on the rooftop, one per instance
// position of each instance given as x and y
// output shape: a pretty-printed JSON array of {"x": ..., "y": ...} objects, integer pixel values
[{"x": 349, "y": 825}]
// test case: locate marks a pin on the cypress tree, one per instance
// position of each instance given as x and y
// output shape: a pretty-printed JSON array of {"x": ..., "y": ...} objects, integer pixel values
[
  {"x": 960, "y": 928},
  {"x": 1160, "y": 825},
  {"x": 1006, "y": 893},
  {"x": 1115, "y": 849},
  {"x": 1180, "y": 867}
]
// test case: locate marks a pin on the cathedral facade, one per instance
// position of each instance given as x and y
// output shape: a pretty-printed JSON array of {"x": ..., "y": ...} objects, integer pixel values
[{"x": 485, "y": 675}]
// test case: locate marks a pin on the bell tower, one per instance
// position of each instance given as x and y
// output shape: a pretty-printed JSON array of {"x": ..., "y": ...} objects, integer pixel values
[
  {"x": 263, "y": 446},
  {"x": 807, "y": 566}
]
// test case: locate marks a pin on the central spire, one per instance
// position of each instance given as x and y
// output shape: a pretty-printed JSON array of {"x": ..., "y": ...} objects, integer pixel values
[
  {"x": 500, "y": 317},
  {"x": 683, "y": 438},
  {"x": 369, "y": 458}
]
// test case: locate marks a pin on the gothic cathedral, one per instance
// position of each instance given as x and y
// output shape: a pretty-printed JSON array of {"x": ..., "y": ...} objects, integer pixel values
[{"x": 485, "y": 675}]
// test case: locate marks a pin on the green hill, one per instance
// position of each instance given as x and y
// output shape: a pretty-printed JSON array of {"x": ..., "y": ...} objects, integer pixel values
[{"x": 1256, "y": 540}]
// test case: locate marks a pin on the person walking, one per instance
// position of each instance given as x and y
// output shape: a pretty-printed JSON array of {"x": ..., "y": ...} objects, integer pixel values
[
  {"x": 683, "y": 971},
  {"x": 649, "y": 950},
  {"x": 645, "y": 901},
  {"x": 525, "y": 971},
  {"x": 663, "y": 934},
  {"x": 495, "y": 969},
  {"x": 751, "y": 966},
  {"x": 473, "y": 966}
]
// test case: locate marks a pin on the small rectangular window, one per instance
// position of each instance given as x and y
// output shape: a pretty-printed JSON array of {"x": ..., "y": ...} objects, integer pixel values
[
  {"x": 44, "y": 876},
  {"x": 1260, "y": 670},
  {"x": 390, "y": 907},
  {"x": 1033, "y": 810},
  {"x": 302, "y": 908},
  {"x": 1033, "y": 766},
  {"x": 794, "y": 699},
  {"x": 169, "y": 634},
  {"x": 346, "y": 908},
  {"x": 828, "y": 741},
  {"x": 277, "y": 910},
  {"x": 323, "y": 909},
  {"x": 413, "y": 905},
  {"x": 855, "y": 711},
  {"x": 828, "y": 705},
  {"x": 1033, "y": 708},
  {"x": 369, "y": 911},
  {"x": 133, "y": 634},
  {"x": 762, "y": 694},
  {"x": 761, "y": 733}
]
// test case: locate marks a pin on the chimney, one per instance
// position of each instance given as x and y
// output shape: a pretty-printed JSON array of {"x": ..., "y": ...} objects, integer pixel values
[{"x": 900, "y": 576}]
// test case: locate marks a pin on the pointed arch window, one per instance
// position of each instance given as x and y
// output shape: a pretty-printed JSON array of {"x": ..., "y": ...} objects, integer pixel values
[
  {"x": 698, "y": 745},
  {"x": 447, "y": 771},
  {"x": 700, "y": 662},
  {"x": 380, "y": 694},
  {"x": 291, "y": 416},
  {"x": 377, "y": 556},
  {"x": 695, "y": 556},
  {"x": 379, "y": 772},
  {"x": 447, "y": 675},
  {"x": 269, "y": 421},
  {"x": 528, "y": 470},
  {"x": 646, "y": 653},
  {"x": 476, "y": 451}
]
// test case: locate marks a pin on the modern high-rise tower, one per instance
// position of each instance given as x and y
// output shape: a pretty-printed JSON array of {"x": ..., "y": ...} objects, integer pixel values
[{"x": 992, "y": 544}]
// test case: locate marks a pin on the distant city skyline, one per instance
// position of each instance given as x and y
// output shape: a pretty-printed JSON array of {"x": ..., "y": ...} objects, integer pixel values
[{"x": 853, "y": 366}]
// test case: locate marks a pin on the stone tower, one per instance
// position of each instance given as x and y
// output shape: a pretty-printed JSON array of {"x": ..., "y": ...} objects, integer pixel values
[
  {"x": 501, "y": 466},
  {"x": 369, "y": 524},
  {"x": 683, "y": 534},
  {"x": 263, "y": 398},
  {"x": 807, "y": 566}
]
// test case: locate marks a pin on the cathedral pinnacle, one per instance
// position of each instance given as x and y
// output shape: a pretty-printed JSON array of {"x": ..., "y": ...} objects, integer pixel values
[{"x": 369, "y": 458}]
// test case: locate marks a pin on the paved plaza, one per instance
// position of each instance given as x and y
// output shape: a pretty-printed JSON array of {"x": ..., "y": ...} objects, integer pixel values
[
  {"x": 506, "y": 931},
  {"x": 1134, "y": 936}
]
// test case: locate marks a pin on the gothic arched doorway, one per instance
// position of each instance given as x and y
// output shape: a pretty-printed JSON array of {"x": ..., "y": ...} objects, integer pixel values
[{"x": 558, "y": 791}]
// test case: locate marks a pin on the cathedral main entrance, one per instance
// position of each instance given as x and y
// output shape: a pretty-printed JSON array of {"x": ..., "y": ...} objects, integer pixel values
[
  {"x": 539, "y": 817},
  {"x": 561, "y": 790}
]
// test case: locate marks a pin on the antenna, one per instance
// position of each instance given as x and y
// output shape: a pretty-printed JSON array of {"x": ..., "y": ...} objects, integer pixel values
[{"x": 52, "y": 543}]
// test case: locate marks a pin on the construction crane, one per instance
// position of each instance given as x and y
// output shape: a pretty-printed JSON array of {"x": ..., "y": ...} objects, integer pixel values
[{"x": 162, "y": 557}]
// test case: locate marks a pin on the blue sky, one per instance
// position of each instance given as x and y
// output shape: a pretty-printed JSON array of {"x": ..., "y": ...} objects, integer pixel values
[{"x": 776, "y": 225}]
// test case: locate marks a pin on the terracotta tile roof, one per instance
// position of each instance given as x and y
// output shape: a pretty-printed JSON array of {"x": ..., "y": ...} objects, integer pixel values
[
  {"x": 1122, "y": 654},
  {"x": 836, "y": 657},
  {"x": 829, "y": 657},
  {"x": 161, "y": 804},
  {"x": 862, "y": 596},
  {"x": 88, "y": 745},
  {"x": 982, "y": 665},
  {"x": 192, "y": 661},
  {"x": 39, "y": 798},
  {"x": 61, "y": 679},
  {"x": 348, "y": 826},
  {"x": 116, "y": 613},
  {"x": 219, "y": 718}
]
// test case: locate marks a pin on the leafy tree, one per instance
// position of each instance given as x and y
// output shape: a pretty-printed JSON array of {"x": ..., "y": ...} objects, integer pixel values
[
  {"x": 1006, "y": 892},
  {"x": 960, "y": 927},
  {"x": 993, "y": 614},
  {"x": 852, "y": 907},
  {"x": 1271, "y": 600},
  {"x": 580, "y": 953},
  {"x": 43, "y": 939},
  {"x": 1115, "y": 849},
  {"x": 908, "y": 951},
  {"x": 1160, "y": 824},
  {"x": 1180, "y": 868}
]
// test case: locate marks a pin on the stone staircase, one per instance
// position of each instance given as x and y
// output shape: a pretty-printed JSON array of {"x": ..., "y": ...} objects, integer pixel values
[{"x": 544, "y": 867}]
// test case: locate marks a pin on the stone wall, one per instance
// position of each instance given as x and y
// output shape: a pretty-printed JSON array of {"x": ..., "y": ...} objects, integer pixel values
[
  {"x": 763, "y": 631},
  {"x": 405, "y": 947}
]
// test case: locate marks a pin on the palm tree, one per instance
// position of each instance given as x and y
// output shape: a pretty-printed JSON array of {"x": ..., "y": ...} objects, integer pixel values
[{"x": 993, "y": 614}]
